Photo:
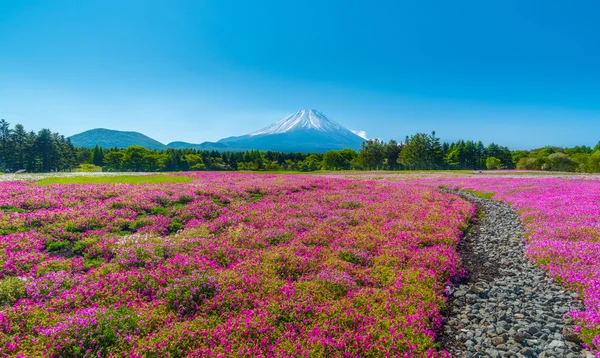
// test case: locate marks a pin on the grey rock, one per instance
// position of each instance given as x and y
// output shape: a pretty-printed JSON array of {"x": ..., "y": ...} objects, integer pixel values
[
  {"x": 527, "y": 352},
  {"x": 556, "y": 344},
  {"x": 496, "y": 341}
]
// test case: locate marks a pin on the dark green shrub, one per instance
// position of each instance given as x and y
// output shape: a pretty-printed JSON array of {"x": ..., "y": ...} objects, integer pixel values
[{"x": 56, "y": 245}]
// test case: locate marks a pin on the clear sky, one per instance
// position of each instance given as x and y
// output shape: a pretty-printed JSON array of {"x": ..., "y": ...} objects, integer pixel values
[{"x": 516, "y": 72}]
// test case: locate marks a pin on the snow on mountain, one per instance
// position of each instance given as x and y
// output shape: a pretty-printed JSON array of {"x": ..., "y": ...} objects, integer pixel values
[
  {"x": 307, "y": 130},
  {"x": 303, "y": 119},
  {"x": 361, "y": 134}
]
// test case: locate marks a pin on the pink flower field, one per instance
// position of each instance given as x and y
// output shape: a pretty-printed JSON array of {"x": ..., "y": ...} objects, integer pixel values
[
  {"x": 247, "y": 265},
  {"x": 562, "y": 220}
]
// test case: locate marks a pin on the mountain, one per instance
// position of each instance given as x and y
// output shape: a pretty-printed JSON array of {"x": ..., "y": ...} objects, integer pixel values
[
  {"x": 307, "y": 130},
  {"x": 108, "y": 138}
]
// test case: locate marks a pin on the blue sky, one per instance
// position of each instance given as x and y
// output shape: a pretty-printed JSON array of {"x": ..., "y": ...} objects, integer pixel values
[{"x": 520, "y": 73}]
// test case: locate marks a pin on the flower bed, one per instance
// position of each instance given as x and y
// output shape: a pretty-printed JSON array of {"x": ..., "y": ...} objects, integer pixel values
[{"x": 226, "y": 265}]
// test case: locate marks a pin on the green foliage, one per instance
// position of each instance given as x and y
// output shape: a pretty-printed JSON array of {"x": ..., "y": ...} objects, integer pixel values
[
  {"x": 87, "y": 168},
  {"x": 589, "y": 333},
  {"x": 11, "y": 290},
  {"x": 561, "y": 162},
  {"x": 46, "y": 151},
  {"x": 34, "y": 152},
  {"x": 594, "y": 162},
  {"x": 371, "y": 154},
  {"x": 159, "y": 210},
  {"x": 352, "y": 257},
  {"x": 80, "y": 245},
  {"x": 184, "y": 199},
  {"x": 333, "y": 160},
  {"x": 89, "y": 263},
  {"x": 113, "y": 160},
  {"x": 577, "y": 159},
  {"x": 421, "y": 151},
  {"x": 97, "y": 157},
  {"x": 493, "y": 163},
  {"x": 57, "y": 245},
  {"x": 351, "y": 205},
  {"x": 175, "y": 226},
  {"x": 482, "y": 194},
  {"x": 194, "y": 161},
  {"x": 311, "y": 163},
  {"x": 139, "y": 159}
]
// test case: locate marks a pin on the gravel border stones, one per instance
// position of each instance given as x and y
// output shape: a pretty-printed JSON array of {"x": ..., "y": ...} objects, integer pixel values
[{"x": 506, "y": 306}]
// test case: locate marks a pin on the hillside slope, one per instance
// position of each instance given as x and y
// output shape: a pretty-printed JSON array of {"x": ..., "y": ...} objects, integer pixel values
[{"x": 108, "y": 138}]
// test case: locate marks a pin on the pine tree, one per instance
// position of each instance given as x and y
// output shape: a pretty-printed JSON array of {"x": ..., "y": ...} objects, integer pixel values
[{"x": 97, "y": 156}]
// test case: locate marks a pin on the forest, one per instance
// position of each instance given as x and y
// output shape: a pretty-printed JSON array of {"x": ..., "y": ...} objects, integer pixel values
[{"x": 46, "y": 151}]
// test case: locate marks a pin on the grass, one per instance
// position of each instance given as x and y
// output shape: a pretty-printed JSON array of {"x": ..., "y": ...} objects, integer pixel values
[
  {"x": 482, "y": 194},
  {"x": 117, "y": 179}
]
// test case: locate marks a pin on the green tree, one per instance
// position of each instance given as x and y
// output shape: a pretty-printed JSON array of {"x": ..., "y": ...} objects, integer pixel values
[
  {"x": 372, "y": 154},
  {"x": 135, "y": 158},
  {"x": 97, "y": 156},
  {"x": 391, "y": 153},
  {"x": 493, "y": 163},
  {"x": 348, "y": 155},
  {"x": 195, "y": 161},
  {"x": 517, "y": 155},
  {"x": 311, "y": 163},
  {"x": 45, "y": 149},
  {"x": 455, "y": 157},
  {"x": 415, "y": 155},
  {"x": 21, "y": 146},
  {"x": 561, "y": 162},
  {"x": 113, "y": 160},
  {"x": 435, "y": 154},
  {"x": 333, "y": 160},
  {"x": 594, "y": 162},
  {"x": 5, "y": 150}
]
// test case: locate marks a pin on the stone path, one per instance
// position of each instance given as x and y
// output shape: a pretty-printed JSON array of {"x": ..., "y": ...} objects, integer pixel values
[{"x": 507, "y": 306}]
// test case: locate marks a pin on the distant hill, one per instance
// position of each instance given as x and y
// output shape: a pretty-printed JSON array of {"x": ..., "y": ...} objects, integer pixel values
[{"x": 108, "y": 138}]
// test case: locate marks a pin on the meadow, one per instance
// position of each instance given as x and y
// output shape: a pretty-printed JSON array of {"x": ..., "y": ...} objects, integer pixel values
[
  {"x": 239, "y": 264},
  {"x": 225, "y": 265}
]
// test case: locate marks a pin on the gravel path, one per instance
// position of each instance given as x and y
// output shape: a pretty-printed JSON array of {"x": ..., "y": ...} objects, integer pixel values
[{"x": 507, "y": 306}]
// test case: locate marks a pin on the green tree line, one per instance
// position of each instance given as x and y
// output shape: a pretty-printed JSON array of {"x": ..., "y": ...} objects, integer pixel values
[
  {"x": 46, "y": 151},
  {"x": 43, "y": 151},
  {"x": 418, "y": 152},
  {"x": 581, "y": 159},
  {"x": 426, "y": 152},
  {"x": 137, "y": 158}
]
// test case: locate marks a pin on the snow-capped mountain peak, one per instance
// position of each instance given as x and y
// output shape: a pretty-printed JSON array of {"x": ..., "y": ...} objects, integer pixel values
[
  {"x": 306, "y": 130},
  {"x": 303, "y": 119}
]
